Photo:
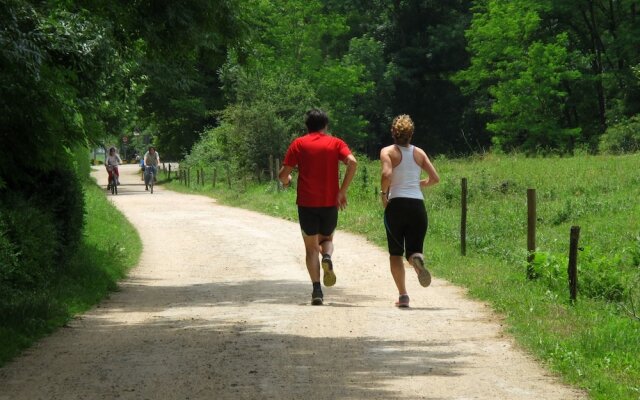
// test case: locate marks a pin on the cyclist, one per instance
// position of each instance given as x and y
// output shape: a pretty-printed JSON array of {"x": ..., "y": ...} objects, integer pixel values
[
  {"x": 151, "y": 159},
  {"x": 111, "y": 162}
]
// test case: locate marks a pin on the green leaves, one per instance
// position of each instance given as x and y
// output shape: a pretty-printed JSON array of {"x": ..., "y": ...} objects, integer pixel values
[{"x": 524, "y": 78}]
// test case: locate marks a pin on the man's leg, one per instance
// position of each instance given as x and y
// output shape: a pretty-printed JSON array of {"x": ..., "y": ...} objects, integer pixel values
[
  {"x": 326, "y": 248},
  {"x": 312, "y": 256},
  {"x": 313, "y": 267},
  {"x": 326, "y": 244}
]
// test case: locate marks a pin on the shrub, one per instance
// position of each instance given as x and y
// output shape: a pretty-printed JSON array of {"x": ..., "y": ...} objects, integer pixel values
[
  {"x": 26, "y": 243},
  {"x": 623, "y": 137},
  {"x": 61, "y": 192}
]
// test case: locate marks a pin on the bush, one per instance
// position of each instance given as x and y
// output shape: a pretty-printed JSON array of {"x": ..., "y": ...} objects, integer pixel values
[
  {"x": 61, "y": 192},
  {"x": 27, "y": 252},
  {"x": 623, "y": 137}
]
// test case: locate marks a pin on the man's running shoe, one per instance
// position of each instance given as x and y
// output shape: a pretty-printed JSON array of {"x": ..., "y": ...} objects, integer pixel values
[
  {"x": 316, "y": 297},
  {"x": 329, "y": 277},
  {"x": 403, "y": 301},
  {"x": 424, "y": 277}
]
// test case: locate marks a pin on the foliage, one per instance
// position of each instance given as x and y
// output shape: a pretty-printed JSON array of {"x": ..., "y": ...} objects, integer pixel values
[
  {"x": 54, "y": 67},
  {"x": 523, "y": 77},
  {"x": 30, "y": 252},
  {"x": 283, "y": 76},
  {"x": 424, "y": 44},
  {"x": 623, "y": 137}
]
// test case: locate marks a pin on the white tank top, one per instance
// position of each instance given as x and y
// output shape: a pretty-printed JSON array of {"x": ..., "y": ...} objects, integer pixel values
[{"x": 405, "y": 179}]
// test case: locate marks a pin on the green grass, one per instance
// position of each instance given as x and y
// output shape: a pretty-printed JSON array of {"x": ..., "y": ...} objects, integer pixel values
[
  {"x": 110, "y": 247},
  {"x": 594, "y": 344}
]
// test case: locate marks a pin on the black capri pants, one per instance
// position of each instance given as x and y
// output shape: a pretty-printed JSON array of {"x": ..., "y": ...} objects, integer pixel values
[{"x": 406, "y": 223}]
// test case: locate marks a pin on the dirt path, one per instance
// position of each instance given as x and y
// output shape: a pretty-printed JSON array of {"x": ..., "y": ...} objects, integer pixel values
[{"x": 218, "y": 309}]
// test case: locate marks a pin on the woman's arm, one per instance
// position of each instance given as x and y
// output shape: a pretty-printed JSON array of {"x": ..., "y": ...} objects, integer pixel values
[
  {"x": 385, "y": 175},
  {"x": 428, "y": 167}
]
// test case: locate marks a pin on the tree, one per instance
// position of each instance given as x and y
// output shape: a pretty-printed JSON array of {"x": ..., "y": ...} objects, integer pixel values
[
  {"x": 522, "y": 74},
  {"x": 274, "y": 77},
  {"x": 425, "y": 45}
]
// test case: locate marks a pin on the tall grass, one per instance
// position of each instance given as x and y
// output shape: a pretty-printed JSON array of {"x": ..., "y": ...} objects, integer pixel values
[
  {"x": 109, "y": 247},
  {"x": 593, "y": 344}
]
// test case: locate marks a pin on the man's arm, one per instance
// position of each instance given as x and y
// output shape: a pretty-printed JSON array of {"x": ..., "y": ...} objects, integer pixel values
[
  {"x": 352, "y": 165},
  {"x": 285, "y": 175}
]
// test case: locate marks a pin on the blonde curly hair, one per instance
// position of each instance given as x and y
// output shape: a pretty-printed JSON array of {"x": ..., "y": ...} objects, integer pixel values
[{"x": 402, "y": 129}]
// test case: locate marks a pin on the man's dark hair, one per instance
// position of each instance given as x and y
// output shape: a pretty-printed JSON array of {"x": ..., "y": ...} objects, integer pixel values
[{"x": 316, "y": 120}]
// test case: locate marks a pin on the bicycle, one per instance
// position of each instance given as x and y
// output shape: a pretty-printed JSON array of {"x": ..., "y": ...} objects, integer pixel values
[
  {"x": 113, "y": 181},
  {"x": 149, "y": 177}
]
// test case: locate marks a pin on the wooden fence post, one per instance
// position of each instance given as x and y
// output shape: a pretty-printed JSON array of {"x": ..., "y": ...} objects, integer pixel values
[
  {"x": 229, "y": 177},
  {"x": 531, "y": 231},
  {"x": 277, "y": 169},
  {"x": 215, "y": 176},
  {"x": 573, "y": 263},
  {"x": 197, "y": 177},
  {"x": 463, "y": 217},
  {"x": 271, "y": 167},
  {"x": 169, "y": 176}
]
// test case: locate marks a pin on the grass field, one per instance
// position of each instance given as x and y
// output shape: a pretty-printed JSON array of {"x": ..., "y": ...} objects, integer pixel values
[
  {"x": 594, "y": 343},
  {"x": 110, "y": 247}
]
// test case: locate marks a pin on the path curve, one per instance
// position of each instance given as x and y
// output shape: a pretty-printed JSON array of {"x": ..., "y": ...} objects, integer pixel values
[{"x": 218, "y": 309}]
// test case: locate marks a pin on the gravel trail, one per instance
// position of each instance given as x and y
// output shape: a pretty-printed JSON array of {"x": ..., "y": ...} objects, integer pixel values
[{"x": 218, "y": 308}]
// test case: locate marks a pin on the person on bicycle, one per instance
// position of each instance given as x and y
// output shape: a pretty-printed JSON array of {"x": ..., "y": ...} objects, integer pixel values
[
  {"x": 111, "y": 162},
  {"x": 151, "y": 159}
]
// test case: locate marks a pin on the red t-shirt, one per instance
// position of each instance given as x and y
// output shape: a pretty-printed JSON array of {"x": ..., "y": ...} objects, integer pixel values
[{"x": 317, "y": 156}]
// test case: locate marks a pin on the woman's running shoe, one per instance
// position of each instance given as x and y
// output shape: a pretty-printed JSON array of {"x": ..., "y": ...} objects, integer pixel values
[
  {"x": 424, "y": 277},
  {"x": 403, "y": 301}
]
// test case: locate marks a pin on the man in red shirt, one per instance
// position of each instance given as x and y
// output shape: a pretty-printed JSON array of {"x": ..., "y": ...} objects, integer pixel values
[{"x": 317, "y": 155}]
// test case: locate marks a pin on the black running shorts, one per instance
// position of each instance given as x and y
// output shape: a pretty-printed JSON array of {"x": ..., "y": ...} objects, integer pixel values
[
  {"x": 406, "y": 224},
  {"x": 318, "y": 220}
]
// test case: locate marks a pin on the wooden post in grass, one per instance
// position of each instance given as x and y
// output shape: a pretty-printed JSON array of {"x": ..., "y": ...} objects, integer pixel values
[
  {"x": 531, "y": 231},
  {"x": 277, "y": 172},
  {"x": 463, "y": 218},
  {"x": 215, "y": 176},
  {"x": 271, "y": 168},
  {"x": 169, "y": 176},
  {"x": 197, "y": 176},
  {"x": 573, "y": 263},
  {"x": 229, "y": 177}
]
